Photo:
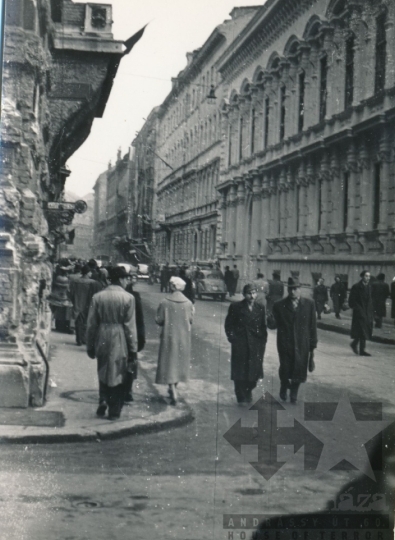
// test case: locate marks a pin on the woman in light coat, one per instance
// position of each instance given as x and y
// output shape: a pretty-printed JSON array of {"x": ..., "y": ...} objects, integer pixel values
[{"x": 174, "y": 315}]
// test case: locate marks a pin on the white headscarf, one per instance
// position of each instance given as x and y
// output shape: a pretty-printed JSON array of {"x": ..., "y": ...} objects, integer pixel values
[{"x": 178, "y": 283}]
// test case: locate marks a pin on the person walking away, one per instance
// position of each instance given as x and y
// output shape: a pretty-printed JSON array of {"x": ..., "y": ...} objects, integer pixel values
[
  {"x": 112, "y": 339},
  {"x": 245, "y": 328},
  {"x": 175, "y": 316},
  {"x": 338, "y": 294},
  {"x": 296, "y": 324},
  {"x": 140, "y": 326},
  {"x": 380, "y": 293},
  {"x": 360, "y": 301},
  {"x": 164, "y": 278},
  {"x": 320, "y": 297},
  {"x": 228, "y": 278},
  {"x": 59, "y": 301},
  {"x": 276, "y": 292},
  {"x": 262, "y": 288},
  {"x": 189, "y": 290},
  {"x": 81, "y": 294},
  {"x": 236, "y": 277}
]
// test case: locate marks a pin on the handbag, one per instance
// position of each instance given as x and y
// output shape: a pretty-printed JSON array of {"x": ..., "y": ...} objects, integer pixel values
[
  {"x": 311, "y": 366},
  {"x": 345, "y": 306},
  {"x": 327, "y": 309}
]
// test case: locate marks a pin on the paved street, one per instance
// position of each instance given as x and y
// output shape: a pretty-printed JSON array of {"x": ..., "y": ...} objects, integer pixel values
[{"x": 179, "y": 483}]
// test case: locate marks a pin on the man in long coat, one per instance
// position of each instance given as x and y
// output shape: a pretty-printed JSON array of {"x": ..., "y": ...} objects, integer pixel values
[
  {"x": 338, "y": 294},
  {"x": 133, "y": 367},
  {"x": 112, "y": 339},
  {"x": 175, "y": 316},
  {"x": 276, "y": 291},
  {"x": 81, "y": 293},
  {"x": 360, "y": 301},
  {"x": 245, "y": 328},
  {"x": 320, "y": 296},
  {"x": 296, "y": 323},
  {"x": 380, "y": 293}
]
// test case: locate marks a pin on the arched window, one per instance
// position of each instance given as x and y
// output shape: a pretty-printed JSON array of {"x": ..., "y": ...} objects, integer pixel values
[
  {"x": 302, "y": 76},
  {"x": 349, "y": 79},
  {"x": 282, "y": 111},
  {"x": 323, "y": 86}
]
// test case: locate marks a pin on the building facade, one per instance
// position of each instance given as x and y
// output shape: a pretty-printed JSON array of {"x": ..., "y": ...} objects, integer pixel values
[
  {"x": 79, "y": 237},
  {"x": 189, "y": 146},
  {"x": 307, "y": 182},
  {"x": 60, "y": 59}
]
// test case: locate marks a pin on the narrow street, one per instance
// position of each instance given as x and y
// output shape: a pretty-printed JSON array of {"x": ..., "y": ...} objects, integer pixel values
[{"x": 178, "y": 483}]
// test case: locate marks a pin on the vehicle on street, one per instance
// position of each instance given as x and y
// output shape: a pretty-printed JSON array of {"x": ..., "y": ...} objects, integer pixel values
[
  {"x": 142, "y": 271},
  {"x": 130, "y": 268},
  {"x": 211, "y": 285}
]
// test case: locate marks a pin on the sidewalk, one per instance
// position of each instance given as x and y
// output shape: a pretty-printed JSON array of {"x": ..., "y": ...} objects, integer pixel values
[
  {"x": 385, "y": 335},
  {"x": 69, "y": 414}
]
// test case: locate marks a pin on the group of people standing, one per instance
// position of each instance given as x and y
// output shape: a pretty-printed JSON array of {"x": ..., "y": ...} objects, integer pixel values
[{"x": 231, "y": 278}]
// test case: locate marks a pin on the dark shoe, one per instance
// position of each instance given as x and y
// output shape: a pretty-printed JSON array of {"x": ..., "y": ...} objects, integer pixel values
[
  {"x": 283, "y": 395},
  {"x": 354, "y": 347},
  {"x": 173, "y": 401},
  {"x": 101, "y": 410},
  {"x": 128, "y": 398},
  {"x": 249, "y": 397},
  {"x": 319, "y": 317},
  {"x": 114, "y": 416},
  {"x": 364, "y": 353},
  {"x": 338, "y": 317},
  {"x": 294, "y": 401}
]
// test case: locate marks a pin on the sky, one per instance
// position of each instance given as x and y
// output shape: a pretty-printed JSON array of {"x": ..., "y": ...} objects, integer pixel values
[{"x": 175, "y": 27}]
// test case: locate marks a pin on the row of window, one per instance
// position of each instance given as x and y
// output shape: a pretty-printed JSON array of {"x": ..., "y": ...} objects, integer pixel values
[{"x": 247, "y": 142}]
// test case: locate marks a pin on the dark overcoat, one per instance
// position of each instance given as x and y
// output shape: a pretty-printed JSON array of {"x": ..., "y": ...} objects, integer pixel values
[
  {"x": 338, "y": 294},
  {"x": 246, "y": 331},
  {"x": 380, "y": 293},
  {"x": 276, "y": 292},
  {"x": 360, "y": 301},
  {"x": 320, "y": 295},
  {"x": 296, "y": 337}
]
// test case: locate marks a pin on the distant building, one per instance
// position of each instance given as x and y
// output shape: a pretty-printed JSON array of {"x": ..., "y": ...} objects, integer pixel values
[{"x": 189, "y": 147}]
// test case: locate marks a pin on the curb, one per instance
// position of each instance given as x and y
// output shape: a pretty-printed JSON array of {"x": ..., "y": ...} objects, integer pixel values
[
  {"x": 346, "y": 332},
  {"x": 114, "y": 430}
]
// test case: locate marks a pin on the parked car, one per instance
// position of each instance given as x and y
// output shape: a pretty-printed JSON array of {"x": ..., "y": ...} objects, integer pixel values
[
  {"x": 211, "y": 285},
  {"x": 142, "y": 271},
  {"x": 130, "y": 268}
]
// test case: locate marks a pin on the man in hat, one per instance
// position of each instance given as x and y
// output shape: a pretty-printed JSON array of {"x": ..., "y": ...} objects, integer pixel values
[
  {"x": 380, "y": 293},
  {"x": 245, "y": 328},
  {"x": 360, "y": 301},
  {"x": 320, "y": 296},
  {"x": 338, "y": 294},
  {"x": 295, "y": 319},
  {"x": 112, "y": 339},
  {"x": 82, "y": 290}
]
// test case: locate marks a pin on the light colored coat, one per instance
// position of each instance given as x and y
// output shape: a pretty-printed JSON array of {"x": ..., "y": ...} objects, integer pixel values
[
  {"x": 175, "y": 316},
  {"x": 112, "y": 333}
]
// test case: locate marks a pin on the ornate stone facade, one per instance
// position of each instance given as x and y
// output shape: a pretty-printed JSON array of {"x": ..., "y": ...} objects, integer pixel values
[
  {"x": 189, "y": 150},
  {"x": 59, "y": 63},
  {"x": 307, "y": 163}
]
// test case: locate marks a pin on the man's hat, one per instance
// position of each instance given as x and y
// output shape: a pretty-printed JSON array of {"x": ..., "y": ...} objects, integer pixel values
[
  {"x": 117, "y": 272},
  {"x": 249, "y": 287},
  {"x": 276, "y": 273},
  {"x": 293, "y": 283}
]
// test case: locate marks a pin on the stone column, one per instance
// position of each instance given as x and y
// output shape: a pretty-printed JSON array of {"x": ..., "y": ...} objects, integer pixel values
[
  {"x": 274, "y": 208},
  {"x": 199, "y": 245},
  {"x": 241, "y": 218},
  {"x": 337, "y": 212},
  {"x": 366, "y": 207},
  {"x": 312, "y": 202},
  {"x": 325, "y": 178},
  {"x": 256, "y": 213},
  {"x": 265, "y": 219},
  {"x": 232, "y": 220},
  {"x": 352, "y": 165},
  {"x": 385, "y": 159}
]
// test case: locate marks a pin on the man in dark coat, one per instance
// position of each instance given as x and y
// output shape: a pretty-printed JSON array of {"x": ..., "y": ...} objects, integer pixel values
[
  {"x": 228, "y": 278},
  {"x": 81, "y": 293},
  {"x": 164, "y": 278},
  {"x": 320, "y": 296},
  {"x": 360, "y": 301},
  {"x": 235, "y": 279},
  {"x": 380, "y": 293},
  {"x": 393, "y": 299},
  {"x": 276, "y": 291},
  {"x": 296, "y": 323},
  {"x": 245, "y": 328},
  {"x": 338, "y": 294},
  {"x": 189, "y": 290},
  {"x": 140, "y": 326}
]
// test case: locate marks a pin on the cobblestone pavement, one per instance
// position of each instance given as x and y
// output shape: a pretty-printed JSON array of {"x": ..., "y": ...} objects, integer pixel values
[{"x": 179, "y": 483}]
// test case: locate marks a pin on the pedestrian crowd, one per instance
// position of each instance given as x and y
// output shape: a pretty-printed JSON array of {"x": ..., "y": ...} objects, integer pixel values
[{"x": 107, "y": 315}]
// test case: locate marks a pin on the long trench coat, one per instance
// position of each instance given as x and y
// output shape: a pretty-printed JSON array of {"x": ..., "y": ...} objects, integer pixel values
[
  {"x": 360, "y": 300},
  {"x": 112, "y": 333},
  {"x": 246, "y": 331},
  {"x": 380, "y": 293},
  {"x": 175, "y": 316},
  {"x": 296, "y": 337}
]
